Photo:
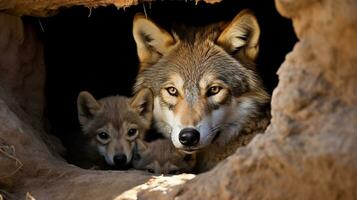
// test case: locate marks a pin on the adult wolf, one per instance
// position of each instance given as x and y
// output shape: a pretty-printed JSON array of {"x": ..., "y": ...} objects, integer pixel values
[{"x": 208, "y": 97}]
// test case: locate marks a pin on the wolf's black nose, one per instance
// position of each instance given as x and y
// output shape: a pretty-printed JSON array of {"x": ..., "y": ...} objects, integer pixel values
[
  {"x": 119, "y": 160},
  {"x": 189, "y": 136}
]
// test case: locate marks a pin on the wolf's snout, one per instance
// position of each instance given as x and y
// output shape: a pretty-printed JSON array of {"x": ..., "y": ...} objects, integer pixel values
[
  {"x": 120, "y": 160},
  {"x": 189, "y": 137}
]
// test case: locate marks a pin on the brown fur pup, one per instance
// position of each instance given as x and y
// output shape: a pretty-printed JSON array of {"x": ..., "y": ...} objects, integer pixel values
[
  {"x": 111, "y": 125},
  {"x": 161, "y": 157},
  {"x": 208, "y": 97}
]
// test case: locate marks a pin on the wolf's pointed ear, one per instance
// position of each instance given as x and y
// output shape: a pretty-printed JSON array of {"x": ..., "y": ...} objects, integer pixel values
[
  {"x": 241, "y": 37},
  {"x": 151, "y": 40},
  {"x": 143, "y": 103},
  {"x": 87, "y": 107}
]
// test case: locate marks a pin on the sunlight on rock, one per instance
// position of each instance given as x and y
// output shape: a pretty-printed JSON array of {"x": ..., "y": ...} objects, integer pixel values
[{"x": 162, "y": 184}]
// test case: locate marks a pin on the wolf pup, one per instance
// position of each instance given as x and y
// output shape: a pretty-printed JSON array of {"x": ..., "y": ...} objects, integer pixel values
[
  {"x": 112, "y": 124},
  {"x": 161, "y": 157},
  {"x": 208, "y": 97}
]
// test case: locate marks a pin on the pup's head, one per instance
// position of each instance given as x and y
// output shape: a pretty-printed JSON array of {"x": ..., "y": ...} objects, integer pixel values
[
  {"x": 161, "y": 157},
  {"x": 114, "y": 123},
  {"x": 203, "y": 79}
]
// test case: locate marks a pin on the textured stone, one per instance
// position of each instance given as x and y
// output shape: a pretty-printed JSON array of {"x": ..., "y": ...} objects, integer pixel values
[
  {"x": 22, "y": 69},
  {"x": 158, "y": 184},
  {"x": 43, "y": 8}
]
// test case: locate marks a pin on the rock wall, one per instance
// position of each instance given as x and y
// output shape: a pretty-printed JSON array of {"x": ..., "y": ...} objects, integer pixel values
[
  {"x": 44, "y": 8},
  {"x": 308, "y": 152},
  {"x": 22, "y": 69}
]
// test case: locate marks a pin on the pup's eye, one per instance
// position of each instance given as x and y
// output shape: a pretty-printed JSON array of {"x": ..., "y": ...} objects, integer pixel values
[
  {"x": 150, "y": 171},
  {"x": 103, "y": 136},
  {"x": 172, "y": 91},
  {"x": 132, "y": 132},
  {"x": 213, "y": 90},
  {"x": 175, "y": 172}
]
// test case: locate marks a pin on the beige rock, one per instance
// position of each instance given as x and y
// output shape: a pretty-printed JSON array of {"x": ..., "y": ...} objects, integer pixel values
[
  {"x": 157, "y": 184},
  {"x": 43, "y": 8},
  {"x": 22, "y": 69}
]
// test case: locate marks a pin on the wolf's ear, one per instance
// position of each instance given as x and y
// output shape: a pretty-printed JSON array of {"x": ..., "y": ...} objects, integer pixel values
[
  {"x": 151, "y": 40},
  {"x": 143, "y": 103},
  {"x": 87, "y": 107},
  {"x": 241, "y": 37}
]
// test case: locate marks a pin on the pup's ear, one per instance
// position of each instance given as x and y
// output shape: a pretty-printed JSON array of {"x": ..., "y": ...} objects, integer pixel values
[
  {"x": 151, "y": 40},
  {"x": 87, "y": 107},
  {"x": 143, "y": 103},
  {"x": 241, "y": 37}
]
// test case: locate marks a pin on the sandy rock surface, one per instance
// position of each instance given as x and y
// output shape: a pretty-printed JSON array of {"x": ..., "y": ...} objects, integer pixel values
[{"x": 43, "y": 8}]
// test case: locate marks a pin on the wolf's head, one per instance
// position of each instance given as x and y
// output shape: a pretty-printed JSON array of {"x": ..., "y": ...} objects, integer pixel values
[
  {"x": 204, "y": 80},
  {"x": 112, "y": 124},
  {"x": 161, "y": 157}
]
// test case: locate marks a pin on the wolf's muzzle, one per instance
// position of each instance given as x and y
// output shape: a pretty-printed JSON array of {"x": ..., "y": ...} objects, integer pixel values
[{"x": 189, "y": 137}]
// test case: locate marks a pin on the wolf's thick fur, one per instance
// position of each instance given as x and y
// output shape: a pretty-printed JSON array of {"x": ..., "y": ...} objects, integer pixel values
[
  {"x": 208, "y": 97},
  {"x": 111, "y": 125},
  {"x": 161, "y": 157}
]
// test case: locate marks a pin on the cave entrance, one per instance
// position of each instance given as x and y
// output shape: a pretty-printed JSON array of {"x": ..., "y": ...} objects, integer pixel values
[{"x": 93, "y": 49}]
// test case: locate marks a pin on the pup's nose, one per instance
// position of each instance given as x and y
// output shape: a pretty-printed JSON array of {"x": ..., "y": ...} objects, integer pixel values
[
  {"x": 189, "y": 136},
  {"x": 119, "y": 160}
]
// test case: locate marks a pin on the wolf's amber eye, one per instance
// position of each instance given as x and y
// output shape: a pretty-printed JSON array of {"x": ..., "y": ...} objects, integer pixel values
[
  {"x": 213, "y": 90},
  {"x": 172, "y": 91},
  {"x": 132, "y": 131},
  {"x": 103, "y": 136}
]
